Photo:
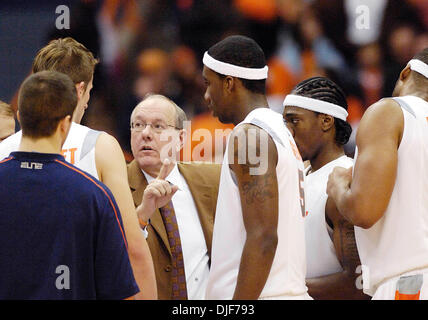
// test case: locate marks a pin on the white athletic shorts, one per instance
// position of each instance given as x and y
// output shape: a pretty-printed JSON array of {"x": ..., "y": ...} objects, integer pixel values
[
  {"x": 305, "y": 296},
  {"x": 411, "y": 285}
]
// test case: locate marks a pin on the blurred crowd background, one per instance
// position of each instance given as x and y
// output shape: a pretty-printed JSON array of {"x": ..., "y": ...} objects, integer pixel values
[{"x": 157, "y": 46}]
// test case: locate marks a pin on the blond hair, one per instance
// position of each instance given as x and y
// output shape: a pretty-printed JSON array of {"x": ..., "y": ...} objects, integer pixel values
[
  {"x": 6, "y": 109},
  {"x": 68, "y": 56}
]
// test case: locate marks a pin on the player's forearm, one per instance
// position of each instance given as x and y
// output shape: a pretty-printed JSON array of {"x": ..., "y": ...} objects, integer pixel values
[
  {"x": 337, "y": 286},
  {"x": 142, "y": 266},
  {"x": 139, "y": 255},
  {"x": 359, "y": 208},
  {"x": 344, "y": 200},
  {"x": 256, "y": 262},
  {"x": 347, "y": 199}
]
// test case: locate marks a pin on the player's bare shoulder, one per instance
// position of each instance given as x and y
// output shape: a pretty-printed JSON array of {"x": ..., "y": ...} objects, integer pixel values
[
  {"x": 383, "y": 118},
  {"x": 108, "y": 154},
  {"x": 384, "y": 111}
]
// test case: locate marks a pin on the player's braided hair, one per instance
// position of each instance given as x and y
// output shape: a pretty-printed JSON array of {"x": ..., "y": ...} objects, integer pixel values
[{"x": 326, "y": 90}]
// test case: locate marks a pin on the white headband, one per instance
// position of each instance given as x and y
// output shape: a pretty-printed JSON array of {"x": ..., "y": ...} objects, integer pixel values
[
  {"x": 228, "y": 69},
  {"x": 316, "y": 105},
  {"x": 419, "y": 67}
]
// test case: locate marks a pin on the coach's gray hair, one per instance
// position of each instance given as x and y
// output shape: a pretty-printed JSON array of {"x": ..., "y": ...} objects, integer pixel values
[{"x": 180, "y": 115}]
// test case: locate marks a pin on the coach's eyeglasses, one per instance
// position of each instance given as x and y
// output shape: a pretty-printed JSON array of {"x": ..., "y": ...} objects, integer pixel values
[{"x": 158, "y": 127}]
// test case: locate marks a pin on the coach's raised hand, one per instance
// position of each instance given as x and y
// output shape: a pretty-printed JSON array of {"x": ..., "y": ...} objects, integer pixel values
[{"x": 158, "y": 193}]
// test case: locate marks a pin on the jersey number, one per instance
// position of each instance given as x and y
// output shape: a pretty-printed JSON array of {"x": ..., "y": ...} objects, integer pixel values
[
  {"x": 302, "y": 192},
  {"x": 301, "y": 179}
]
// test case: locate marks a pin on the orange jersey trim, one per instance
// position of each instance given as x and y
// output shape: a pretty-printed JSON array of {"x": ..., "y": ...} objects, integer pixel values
[
  {"x": 109, "y": 198},
  {"x": 5, "y": 160}
]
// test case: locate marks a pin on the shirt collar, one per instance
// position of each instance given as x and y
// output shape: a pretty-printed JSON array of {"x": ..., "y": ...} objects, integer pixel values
[
  {"x": 36, "y": 156},
  {"x": 309, "y": 171}
]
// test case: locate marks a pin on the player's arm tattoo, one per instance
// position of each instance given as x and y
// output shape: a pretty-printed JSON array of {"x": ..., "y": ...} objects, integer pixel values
[
  {"x": 347, "y": 245},
  {"x": 258, "y": 189},
  {"x": 255, "y": 188},
  {"x": 343, "y": 238}
]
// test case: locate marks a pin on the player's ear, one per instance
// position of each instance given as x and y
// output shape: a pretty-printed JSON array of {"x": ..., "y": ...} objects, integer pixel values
[
  {"x": 63, "y": 128},
  {"x": 404, "y": 74},
  {"x": 327, "y": 122},
  {"x": 65, "y": 124},
  {"x": 229, "y": 83},
  {"x": 17, "y": 115},
  {"x": 80, "y": 89}
]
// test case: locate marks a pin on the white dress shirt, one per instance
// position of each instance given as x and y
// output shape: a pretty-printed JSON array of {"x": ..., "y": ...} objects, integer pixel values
[{"x": 195, "y": 253}]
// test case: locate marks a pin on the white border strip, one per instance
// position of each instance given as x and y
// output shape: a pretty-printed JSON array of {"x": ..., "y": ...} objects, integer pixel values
[
  {"x": 228, "y": 69},
  {"x": 316, "y": 105},
  {"x": 419, "y": 66}
]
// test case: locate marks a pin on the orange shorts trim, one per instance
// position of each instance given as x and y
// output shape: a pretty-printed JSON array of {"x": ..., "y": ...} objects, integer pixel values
[{"x": 403, "y": 296}]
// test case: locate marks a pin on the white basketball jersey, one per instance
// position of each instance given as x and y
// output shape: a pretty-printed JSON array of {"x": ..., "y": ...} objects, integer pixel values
[
  {"x": 78, "y": 148},
  {"x": 398, "y": 242},
  {"x": 287, "y": 274},
  {"x": 320, "y": 252},
  {"x": 10, "y": 144}
]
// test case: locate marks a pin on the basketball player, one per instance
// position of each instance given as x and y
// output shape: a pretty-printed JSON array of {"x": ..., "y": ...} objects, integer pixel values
[
  {"x": 258, "y": 249},
  {"x": 7, "y": 122},
  {"x": 316, "y": 112},
  {"x": 61, "y": 234},
  {"x": 97, "y": 153},
  {"x": 385, "y": 196}
]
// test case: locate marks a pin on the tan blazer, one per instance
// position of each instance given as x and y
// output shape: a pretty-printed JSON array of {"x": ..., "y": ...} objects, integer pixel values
[{"x": 203, "y": 180}]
